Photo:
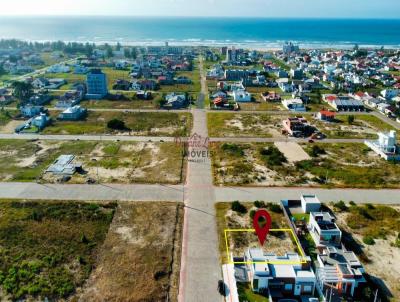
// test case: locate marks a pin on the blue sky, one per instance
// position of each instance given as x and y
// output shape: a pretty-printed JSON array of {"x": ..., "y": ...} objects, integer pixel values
[{"x": 244, "y": 8}]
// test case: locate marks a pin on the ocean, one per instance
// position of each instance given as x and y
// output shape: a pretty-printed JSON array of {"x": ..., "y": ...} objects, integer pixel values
[{"x": 245, "y": 32}]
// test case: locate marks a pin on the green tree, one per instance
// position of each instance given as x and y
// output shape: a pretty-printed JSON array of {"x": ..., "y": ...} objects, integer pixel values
[
  {"x": 116, "y": 124},
  {"x": 350, "y": 119},
  {"x": 22, "y": 90}
]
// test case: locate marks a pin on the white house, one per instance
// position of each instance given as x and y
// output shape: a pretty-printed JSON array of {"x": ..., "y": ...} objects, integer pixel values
[
  {"x": 389, "y": 93},
  {"x": 385, "y": 146},
  {"x": 58, "y": 68},
  {"x": 294, "y": 105},
  {"x": 241, "y": 96},
  {"x": 285, "y": 275}
]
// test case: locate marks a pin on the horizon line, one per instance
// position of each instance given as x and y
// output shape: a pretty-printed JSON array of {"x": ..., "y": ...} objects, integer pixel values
[{"x": 202, "y": 16}]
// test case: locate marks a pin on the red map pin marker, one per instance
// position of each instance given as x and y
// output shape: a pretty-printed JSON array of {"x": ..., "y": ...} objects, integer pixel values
[{"x": 262, "y": 231}]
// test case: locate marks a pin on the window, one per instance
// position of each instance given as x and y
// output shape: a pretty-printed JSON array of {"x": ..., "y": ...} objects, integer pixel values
[
  {"x": 255, "y": 284},
  {"x": 288, "y": 286},
  {"x": 307, "y": 289}
]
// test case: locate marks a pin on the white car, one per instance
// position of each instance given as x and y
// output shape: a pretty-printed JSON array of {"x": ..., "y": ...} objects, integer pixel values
[{"x": 398, "y": 120}]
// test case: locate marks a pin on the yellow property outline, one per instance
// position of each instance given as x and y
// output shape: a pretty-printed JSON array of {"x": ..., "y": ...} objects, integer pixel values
[{"x": 288, "y": 262}]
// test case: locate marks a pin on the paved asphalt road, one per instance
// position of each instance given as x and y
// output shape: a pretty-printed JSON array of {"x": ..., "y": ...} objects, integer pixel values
[
  {"x": 132, "y": 138},
  {"x": 144, "y": 192}
]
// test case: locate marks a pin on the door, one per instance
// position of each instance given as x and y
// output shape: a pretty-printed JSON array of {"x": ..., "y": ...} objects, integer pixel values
[{"x": 297, "y": 290}]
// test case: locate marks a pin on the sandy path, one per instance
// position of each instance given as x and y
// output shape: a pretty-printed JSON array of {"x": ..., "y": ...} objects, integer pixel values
[{"x": 293, "y": 151}]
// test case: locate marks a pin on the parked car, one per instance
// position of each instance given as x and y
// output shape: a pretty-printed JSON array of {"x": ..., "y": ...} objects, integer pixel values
[{"x": 222, "y": 288}]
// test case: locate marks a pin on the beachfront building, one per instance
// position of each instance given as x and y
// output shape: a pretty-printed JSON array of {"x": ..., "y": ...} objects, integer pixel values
[
  {"x": 282, "y": 276},
  {"x": 96, "y": 84},
  {"x": 385, "y": 146}
]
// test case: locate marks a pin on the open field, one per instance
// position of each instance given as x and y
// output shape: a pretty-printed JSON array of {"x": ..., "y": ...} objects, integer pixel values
[
  {"x": 140, "y": 258},
  {"x": 364, "y": 126},
  {"x": 331, "y": 165},
  {"x": 107, "y": 162},
  {"x": 374, "y": 232},
  {"x": 49, "y": 248},
  {"x": 7, "y": 122},
  {"x": 226, "y": 124},
  {"x": 126, "y": 104},
  {"x": 277, "y": 242},
  {"x": 136, "y": 123},
  {"x": 261, "y": 106}
]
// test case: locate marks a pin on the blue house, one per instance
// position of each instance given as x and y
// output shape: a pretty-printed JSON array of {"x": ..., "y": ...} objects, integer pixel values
[{"x": 31, "y": 111}]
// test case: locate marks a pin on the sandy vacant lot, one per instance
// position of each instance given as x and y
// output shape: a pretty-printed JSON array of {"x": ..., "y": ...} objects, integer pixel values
[
  {"x": 10, "y": 127},
  {"x": 384, "y": 257},
  {"x": 140, "y": 258},
  {"x": 118, "y": 162},
  {"x": 292, "y": 151}
]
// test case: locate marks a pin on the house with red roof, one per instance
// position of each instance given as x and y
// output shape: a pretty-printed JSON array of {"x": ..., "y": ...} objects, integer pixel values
[{"x": 326, "y": 115}]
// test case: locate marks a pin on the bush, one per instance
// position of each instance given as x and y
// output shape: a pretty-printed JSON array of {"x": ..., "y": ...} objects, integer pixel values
[
  {"x": 368, "y": 240},
  {"x": 272, "y": 156},
  {"x": 276, "y": 208},
  {"x": 233, "y": 149},
  {"x": 352, "y": 203},
  {"x": 259, "y": 204},
  {"x": 252, "y": 214},
  {"x": 316, "y": 151},
  {"x": 340, "y": 205},
  {"x": 116, "y": 124},
  {"x": 238, "y": 207},
  {"x": 350, "y": 119}
]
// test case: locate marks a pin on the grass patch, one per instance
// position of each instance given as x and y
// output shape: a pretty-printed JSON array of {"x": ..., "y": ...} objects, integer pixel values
[
  {"x": 373, "y": 221},
  {"x": 137, "y": 123},
  {"x": 140, "y": 258},
  {"x": 247, "y": 295},
  {"x": 48, "y": 249},
  {"x": 363, "y": 126},
  {"x": 122, "y": 162}
]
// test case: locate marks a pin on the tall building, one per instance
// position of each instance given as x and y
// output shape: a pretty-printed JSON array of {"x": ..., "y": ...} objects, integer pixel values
[
  {"x": 96, "y": 84},
  {"x": 231, "y": 55},
  {"x": 289, "y": 48}
]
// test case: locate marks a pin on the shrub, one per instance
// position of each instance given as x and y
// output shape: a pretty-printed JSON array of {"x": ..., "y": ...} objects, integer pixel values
[
  {"x": 233, "y": 149},
  {"x": 272, "y": 156},
  {"x": 352, "y": 203},
  {"x": 276, "y": 208},
  {"x": 238, "y": 207},
  {"x": 350, "y": 119},
  {"x": 340, "y": 205},
  {"x": 316, "y": 151},
  {"x": 116, "y": 124},
  {"x": 259, "y": 204},
  {"x": 368, "y": 240},
  {"x": 252, "y": 214}
]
